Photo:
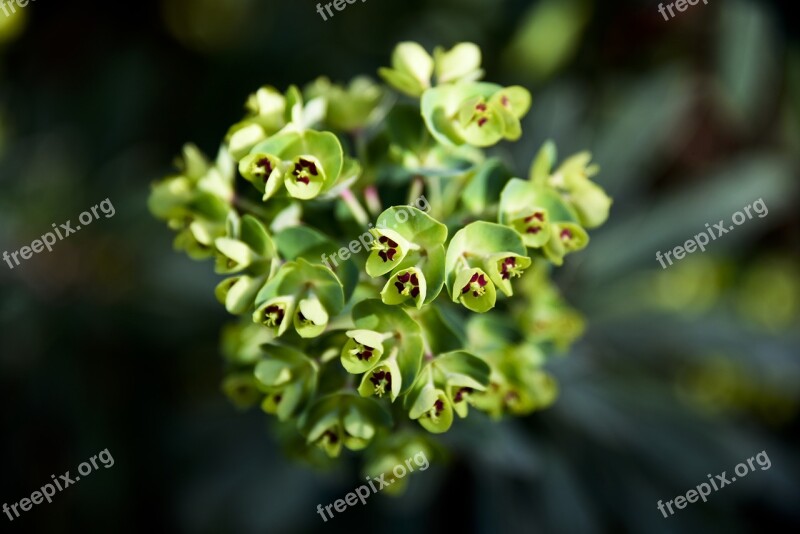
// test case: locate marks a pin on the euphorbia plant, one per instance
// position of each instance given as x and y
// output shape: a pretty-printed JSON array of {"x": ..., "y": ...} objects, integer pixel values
[{"x": 448, "y": 307}]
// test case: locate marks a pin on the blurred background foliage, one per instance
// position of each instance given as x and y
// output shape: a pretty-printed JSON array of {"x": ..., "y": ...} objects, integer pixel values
[{"x": 111, "y": 340}]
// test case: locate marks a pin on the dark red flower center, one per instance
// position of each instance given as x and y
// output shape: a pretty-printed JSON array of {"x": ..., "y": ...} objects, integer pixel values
[
  {"x": 365, "y": 354},
  {"x": 534, "y": 223},
  {"x": 274, "y": 315},
  {"x": 476, "y": 284},
  {"x": 407, "y": 284},
  {"x": 389, "y": 249},
  {"x": 303, "y": 169},
  {"x": 506, "y": 269},
  {"x": 459, "y": 396},
  {"x": 265, "y": 164},
  {"x": 481, "y": 113},
  {"x": 379, "y": 376}
]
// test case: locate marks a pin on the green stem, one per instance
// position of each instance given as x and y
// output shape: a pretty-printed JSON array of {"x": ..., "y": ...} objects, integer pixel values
[
  {"x": 414, "y": 192},
  {"x": 373, "y": 200},
  {"x": 358, "y": 212},
  {"x": 435, "y": 191},
  {"x": 246, "y": 205}
]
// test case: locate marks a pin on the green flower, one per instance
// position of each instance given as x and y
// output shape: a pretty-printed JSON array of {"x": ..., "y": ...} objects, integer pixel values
[
  {"x": 196, "y": 202},
  {"x": 343, "y": 420},
  {"x": 383, "y": 379},
  {"x": 573, "y": 180},
  {"x": 503, "y": 267},
  {"x": 307, "y": 162},
  {"x": 264, "y": 171},
  {"x": 479, "y": 114},
  {"x": 238, "y": 293},
  {"x": 276, "y": 314},
  {"x": 533, "y": 225},
  {"x": 474, "y": 289},
  {"x": 302, "y": 294},
  {"x": 443, "y": 387},
  {"x": 567, "y": 237},
  {"x": 352, "y": 108},
  {"x": 266, "y": 116},
  {"x": 479, "y": 256},
  {"x": 433, "y": 410},
  {"x": 362, "y": 350},
  {"x": 404, "y": 285},
  {"x": 518, "y": 385},
  {"x": 387, "y": 251},
  {"x": 412, "y": 68},
  {"x": 310, "y": 317},
  {"x": 246, "y": 245},
  {"x": 542, "y": 217},
  {"x": 241, "y": 389},
  {"x": 462, "y": 63},
  {"x": 288, "y": 378}
]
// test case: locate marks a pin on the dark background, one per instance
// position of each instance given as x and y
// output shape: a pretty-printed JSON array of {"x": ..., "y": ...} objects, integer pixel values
[{"x": 111, "y": 340}]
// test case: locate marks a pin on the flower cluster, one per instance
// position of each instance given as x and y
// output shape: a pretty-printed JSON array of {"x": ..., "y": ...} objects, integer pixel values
[{"x": 451, "y": 308}]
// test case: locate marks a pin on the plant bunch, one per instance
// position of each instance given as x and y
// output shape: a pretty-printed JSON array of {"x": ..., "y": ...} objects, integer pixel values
[{"x": 452, "y": 305}]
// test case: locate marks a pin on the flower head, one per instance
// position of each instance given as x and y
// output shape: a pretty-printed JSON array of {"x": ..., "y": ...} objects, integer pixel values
[
  {"x": 533, "y": 226},
  {"x": 405, "y": 285},
  {"x": 383, "y": 379},
  {"x": 388, "y": 250},
  {"x": 305, "y": 177},
  {"x": 475, "y": 290},
  {"x": 362, "y": 350},
  {"x": 437, "y": 417},
  {"x": 276, "y": 314},
  {"x": 310, "y": 318},
  {"x": 504, "y": 267},
  {"x": 264, "y": 171}
]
